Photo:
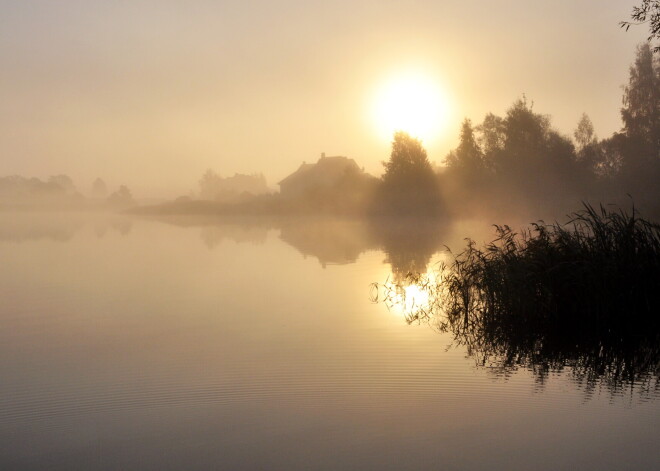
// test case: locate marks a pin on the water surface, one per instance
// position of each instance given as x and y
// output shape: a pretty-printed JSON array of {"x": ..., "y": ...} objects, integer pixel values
[{"x": 185, "y": 344}]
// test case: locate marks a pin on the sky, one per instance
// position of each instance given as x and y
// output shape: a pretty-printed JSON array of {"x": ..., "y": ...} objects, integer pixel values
[{"x": 152, "y": 93}]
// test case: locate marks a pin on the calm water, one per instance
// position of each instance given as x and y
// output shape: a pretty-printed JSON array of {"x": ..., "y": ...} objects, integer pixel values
[{"x": 253, "y": 345}]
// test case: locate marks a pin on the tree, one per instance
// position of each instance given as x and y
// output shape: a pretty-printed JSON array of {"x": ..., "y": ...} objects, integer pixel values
[
  {"x": 588, "y": 152},
  {"x": 584, "y": 133},
  {"x": 409, "y": 184},
  {"x": 122, "y": 198},
  {"x": 641, "y": 116},
  {"x": 467, "y": 157},
  {"x": 408, "y": 160},
  {"x": 525, "y": 156},
  {"x": 647, "y": 12},
  {"x": 522, "y": 137},
  {"x": 209, "y": 185},
  {"x": 492, "y": 132},
  {"x": 641, "y": 97},
  {"x": 609, "y": 157},
  {"x": 525, "y": 131}
]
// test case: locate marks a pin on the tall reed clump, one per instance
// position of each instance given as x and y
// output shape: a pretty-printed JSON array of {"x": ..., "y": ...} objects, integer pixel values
[
  {"x": 601, "y": 265},
  {"x": 584, "y": 294}
]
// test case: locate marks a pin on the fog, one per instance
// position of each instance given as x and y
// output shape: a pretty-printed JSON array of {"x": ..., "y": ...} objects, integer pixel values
[
  {"x": 152, "y": 94},
  {"x": 329, "y": 235}
]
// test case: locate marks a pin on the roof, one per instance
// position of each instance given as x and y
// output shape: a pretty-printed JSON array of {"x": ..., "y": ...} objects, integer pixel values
[
  {"x": 324, "y": 166},
  {"x": 303, "y": 169}
]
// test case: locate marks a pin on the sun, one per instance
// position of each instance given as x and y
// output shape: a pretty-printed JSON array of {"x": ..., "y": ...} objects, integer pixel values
[{"x": 412, "y": 102}]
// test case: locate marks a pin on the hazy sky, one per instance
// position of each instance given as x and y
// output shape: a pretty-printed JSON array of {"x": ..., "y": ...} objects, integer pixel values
[{"x": 152, "y": 93}]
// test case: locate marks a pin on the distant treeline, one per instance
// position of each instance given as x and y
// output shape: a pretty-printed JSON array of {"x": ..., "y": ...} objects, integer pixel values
[{"x": 59, "y": 192}]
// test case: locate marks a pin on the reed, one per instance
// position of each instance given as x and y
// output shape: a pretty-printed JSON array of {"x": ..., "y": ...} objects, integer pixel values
[
  {"x": 584, "y": 295},
  {"x": 601, "y": 266}
]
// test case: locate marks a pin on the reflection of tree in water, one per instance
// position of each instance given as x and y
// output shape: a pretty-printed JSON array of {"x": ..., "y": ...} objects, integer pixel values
[
  {"x": 118, "y": 224},
  {"x": 408, "y": 243},
  {"x": 123, "y": 226}
]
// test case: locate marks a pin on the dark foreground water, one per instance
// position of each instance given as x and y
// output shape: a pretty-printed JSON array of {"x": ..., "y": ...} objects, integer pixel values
[{"x": 253, "y": 345}]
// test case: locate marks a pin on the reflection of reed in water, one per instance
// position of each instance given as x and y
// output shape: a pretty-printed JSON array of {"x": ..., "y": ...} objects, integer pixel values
[{"x": 582, "y": 296}]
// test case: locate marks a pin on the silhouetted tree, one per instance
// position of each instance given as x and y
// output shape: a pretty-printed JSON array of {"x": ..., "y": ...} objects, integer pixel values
[
  {"x": 587, "y": 144},
  {"x": 640, "y": 99},
  {"x": 536, "y": 158},
  {"x": 409, "y": 184},
  {"x": 525, "y": 133},
  {"x": 517, "y": 159},
  {"x": 467, "y": 178},
  {"x": 525, "y": 160},
  {"x": 492, "y": 135},
  {"x": 584, "y": 133},
  {"x": 467, "y": 158},
  {"x": 519, "y": 163},
  {"x": 637, "y": 147},
  {"x": 630, "y": 159},
  {"x": 609, "y": 157},
  {"x": 641, "y": 104},
  {"x": 408, "y": 160}
]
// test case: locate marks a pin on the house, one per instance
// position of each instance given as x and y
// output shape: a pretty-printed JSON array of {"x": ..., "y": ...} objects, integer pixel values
[{"x": 327, "y": 174}]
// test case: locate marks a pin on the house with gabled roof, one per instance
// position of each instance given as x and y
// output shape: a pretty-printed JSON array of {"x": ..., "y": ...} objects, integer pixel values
[{"x": 327, "y": 173}]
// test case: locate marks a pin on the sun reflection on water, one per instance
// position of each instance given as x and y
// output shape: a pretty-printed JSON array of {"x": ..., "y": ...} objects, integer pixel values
[{"x": 411, "y": 298}]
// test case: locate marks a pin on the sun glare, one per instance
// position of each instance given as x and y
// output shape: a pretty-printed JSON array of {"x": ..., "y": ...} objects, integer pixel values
[
  {"x": 412, "y": 298},
  {"x": 412, "y": 103}
]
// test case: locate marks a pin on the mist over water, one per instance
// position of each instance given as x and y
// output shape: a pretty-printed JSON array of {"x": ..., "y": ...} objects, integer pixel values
[
  {"x": 140, "y": 343},
  {"x": 329, "y": 236}
]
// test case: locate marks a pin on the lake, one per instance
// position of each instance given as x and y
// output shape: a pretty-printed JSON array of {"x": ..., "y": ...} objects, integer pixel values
[{"x": 252, "y": 344}]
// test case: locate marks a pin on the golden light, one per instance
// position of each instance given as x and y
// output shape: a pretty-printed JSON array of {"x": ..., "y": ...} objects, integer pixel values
[
  {"x": 414, "y": 103},
  {"x": 414, "y": 297}
]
